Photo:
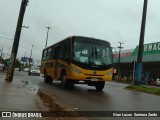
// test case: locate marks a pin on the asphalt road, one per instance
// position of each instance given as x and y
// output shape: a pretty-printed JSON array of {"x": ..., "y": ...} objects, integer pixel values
[{"x": 113, "y": 97}]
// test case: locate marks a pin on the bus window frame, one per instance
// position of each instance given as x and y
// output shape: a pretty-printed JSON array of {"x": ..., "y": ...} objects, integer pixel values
[
  {"x": 60, "y": 50},
  {"x": 48, "y": 57},
  {"x": 44, "y": 57}
]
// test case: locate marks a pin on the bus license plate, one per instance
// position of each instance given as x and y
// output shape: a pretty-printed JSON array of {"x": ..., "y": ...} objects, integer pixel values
[{"x": 94, "y": 79}]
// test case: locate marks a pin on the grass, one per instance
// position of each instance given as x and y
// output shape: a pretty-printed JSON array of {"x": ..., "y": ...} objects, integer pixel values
[{"x": 141, "y": 88}]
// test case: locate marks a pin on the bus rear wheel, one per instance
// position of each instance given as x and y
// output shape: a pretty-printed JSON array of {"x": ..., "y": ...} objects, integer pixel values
[{"x": 100, "y": 85}]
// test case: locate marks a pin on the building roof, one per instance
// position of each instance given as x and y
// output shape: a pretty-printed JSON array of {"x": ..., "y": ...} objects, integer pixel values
[{"x": 151, "y": 53}]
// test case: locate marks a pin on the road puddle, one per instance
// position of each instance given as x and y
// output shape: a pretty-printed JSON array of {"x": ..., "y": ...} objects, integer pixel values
[
  {"x": 26, "y": 82},
  {"x": 33, "y": 89}
]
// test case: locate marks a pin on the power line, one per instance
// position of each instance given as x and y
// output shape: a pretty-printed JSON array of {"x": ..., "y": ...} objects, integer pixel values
[
  {"x": 4, "y": 33},
  {"x": 28, "y": 11},
  {"x": 33, "y": 11},
  {"x": 6, "y": 38}
]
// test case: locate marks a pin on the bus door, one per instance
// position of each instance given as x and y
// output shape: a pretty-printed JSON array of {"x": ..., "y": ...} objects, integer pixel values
[
  {"x": 49, "y": 65},
  {"x": 59, "y": 64},
  {"x": 51, "y": 69},
  {"x": 56, "y": 69}
]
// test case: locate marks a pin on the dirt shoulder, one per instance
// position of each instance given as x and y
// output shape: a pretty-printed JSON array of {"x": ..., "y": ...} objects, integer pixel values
[{"x": 57, "y": 107}]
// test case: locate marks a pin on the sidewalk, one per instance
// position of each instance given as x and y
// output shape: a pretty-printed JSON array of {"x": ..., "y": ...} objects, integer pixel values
[{"x": 14, "y": 96}]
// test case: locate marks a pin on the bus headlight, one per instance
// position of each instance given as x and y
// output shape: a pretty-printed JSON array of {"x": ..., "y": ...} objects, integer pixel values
[
  {"x": 76, "y": 70},
  {"x": 109, "y": 73}
]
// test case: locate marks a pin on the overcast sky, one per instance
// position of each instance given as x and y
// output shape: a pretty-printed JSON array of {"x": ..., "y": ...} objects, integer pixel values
[{"x": 111, "y": 20}]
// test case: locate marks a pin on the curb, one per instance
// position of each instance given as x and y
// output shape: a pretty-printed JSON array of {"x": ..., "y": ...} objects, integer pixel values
[
  {"x": 51, "y": 102},
  {"x": 54, "y": 104}
]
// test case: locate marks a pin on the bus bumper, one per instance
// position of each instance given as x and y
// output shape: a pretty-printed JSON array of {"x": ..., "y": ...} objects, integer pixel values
[{"x": 101, "y": 76}]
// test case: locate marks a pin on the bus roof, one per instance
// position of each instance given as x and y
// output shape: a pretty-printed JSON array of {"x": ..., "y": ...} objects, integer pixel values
[{"x": 74, "y": 36}]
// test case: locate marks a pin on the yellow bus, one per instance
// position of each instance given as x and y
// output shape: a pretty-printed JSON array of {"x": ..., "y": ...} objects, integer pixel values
[{"x": 78, "y": 59}]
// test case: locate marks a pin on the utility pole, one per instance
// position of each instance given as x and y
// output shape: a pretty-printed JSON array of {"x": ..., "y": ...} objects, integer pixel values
[
  {"x": 120, "y": 47},
  {"x": 1, "y": 52},
  {"x": 30, "y": 57},
  {"x": 47, "y": 34},
  {"x": 24, "y": 58},
  {"x": 141, "y": 42},
  {"x": 9, "y": 76}
]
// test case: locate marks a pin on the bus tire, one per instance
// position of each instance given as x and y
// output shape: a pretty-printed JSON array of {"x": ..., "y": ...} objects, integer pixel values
[
  {"x": 46, "y": 77},
  {"x": 100, "y": 85},
  {"x": 50, "y": 80},
  {"x": 64, "y": 83}
]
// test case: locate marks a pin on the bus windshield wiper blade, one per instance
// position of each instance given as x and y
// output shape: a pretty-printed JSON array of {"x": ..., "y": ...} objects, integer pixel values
[{"x": 92, "y": 52}]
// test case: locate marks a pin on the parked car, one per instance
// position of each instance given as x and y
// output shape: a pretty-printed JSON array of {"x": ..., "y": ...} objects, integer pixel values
[
  {"x": 34, "y": 72},
  {"x": 157, "y": 81}
]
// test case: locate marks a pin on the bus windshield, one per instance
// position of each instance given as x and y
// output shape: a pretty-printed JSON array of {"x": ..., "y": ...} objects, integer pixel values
[{"x": 92, "y": 52}]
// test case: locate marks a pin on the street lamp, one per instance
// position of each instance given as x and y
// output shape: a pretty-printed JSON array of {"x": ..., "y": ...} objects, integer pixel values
[{"x": 25, "y": 26}]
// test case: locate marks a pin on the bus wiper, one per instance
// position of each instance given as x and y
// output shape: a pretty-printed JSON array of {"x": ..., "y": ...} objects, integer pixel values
[{"x": 92, "y": 52}]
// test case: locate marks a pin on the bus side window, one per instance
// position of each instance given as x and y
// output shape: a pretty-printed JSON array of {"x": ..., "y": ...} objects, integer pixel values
[
  {"x": 66, "y": 49},
  {"x": 53, "y": 53},
  {"x": 62, "y": 51},
  {"x": 44, "y": 55},
  {"x": 49, "y": 53},
  {"x": 58, "y": 52}
]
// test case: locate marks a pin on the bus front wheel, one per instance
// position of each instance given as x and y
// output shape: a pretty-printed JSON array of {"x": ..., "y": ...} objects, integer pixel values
[
  {"x": 64, "y": 82},
  {"x": 46, "y": 78},
  {"x": 100, "y": 85}
]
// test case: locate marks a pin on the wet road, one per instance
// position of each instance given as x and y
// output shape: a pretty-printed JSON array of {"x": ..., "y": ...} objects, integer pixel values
[{"x": 113, "y": 97}]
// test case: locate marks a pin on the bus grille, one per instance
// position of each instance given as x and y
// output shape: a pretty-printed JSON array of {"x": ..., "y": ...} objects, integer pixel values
[{"x": 93, "y": 75}]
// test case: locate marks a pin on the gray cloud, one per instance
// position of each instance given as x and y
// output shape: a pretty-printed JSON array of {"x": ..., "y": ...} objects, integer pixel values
[{"x": 111, "y": 20}]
